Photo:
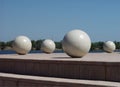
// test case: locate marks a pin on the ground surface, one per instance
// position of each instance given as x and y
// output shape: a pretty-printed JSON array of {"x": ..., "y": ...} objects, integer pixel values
[{"x": 97, "y": 57}]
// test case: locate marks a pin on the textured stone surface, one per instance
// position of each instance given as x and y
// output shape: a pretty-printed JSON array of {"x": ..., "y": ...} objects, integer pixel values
[
  {"x": 94, "y": 66},
  {"x": 14, "y": 80}
]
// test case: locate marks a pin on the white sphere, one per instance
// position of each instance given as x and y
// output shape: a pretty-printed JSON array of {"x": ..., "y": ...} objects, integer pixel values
[
  {"x": 22, "y": 45},
  {"x": 48, "y": 46},
  {"x": 76, "y": 43},
  {"x": 109, "y": 46}
]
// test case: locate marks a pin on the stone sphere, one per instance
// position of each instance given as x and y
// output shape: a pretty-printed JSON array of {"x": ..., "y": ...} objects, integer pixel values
[
  {"x": 22, "y": 45},
  {"x": 76, "y": 43},
  {"x": 109, "y": 46},
  {"x": 48, "y": 46}
]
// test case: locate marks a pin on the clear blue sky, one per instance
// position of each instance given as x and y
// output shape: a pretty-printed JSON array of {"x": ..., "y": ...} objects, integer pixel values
[{"x": 42, "y": 19}]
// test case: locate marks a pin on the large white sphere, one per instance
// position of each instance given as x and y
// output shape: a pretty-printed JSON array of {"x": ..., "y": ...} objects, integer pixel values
[
  {"x": 76, "y": 43},
  {"x": 48, "y": 46},
  {"x": 109, "y": 46},
  {"x": 22, "y": 45}
]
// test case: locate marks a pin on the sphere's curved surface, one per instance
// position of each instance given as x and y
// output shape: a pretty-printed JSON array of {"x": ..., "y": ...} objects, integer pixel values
[
  {"x": 22, "y": 45},
  {"x": 109, "y": 46},
  {"x": 76, "y": 43},
  {"x": 48, "y": 46}
]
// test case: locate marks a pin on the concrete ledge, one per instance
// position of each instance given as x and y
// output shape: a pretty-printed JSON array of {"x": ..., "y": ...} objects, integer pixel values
[
  {"x": 14, "y": 80},
  {"x": 94, "y": 66}
]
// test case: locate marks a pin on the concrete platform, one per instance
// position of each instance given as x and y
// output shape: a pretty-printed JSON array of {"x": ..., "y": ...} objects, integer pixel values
[
  {"x": 91, "y": 57},
  {"x": 14, "y": 80},
  {"x": 94, "y": 66}
]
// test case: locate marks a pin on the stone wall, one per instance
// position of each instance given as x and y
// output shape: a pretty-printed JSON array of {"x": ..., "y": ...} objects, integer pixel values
[
  {"x": 107, "y": 71},
  {"x": 14, "y": 80}
]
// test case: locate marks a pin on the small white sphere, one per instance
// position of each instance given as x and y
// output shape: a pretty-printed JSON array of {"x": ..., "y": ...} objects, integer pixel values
[
  {"x": 109, "y": 46},
  {"x": 48, "y": 46},
  {"x": 76, "y": 43},
  {"x": 22, "y": 45}
]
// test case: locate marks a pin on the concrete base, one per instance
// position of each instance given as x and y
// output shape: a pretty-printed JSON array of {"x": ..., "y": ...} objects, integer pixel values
[
  {"x": 94, "y": 66},
  {"x": 14, "y": 80}
]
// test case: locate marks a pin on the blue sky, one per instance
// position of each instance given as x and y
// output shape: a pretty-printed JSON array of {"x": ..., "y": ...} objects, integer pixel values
[{"x": 43, "y": 19}]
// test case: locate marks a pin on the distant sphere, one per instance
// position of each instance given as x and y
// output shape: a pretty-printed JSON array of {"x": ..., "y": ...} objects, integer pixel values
[
  {"x": 109, "y": 46},
  {"x": 22, "y": 45},
  {"x": 76, "y": 43},
  {"x": 48, "y": 46}
]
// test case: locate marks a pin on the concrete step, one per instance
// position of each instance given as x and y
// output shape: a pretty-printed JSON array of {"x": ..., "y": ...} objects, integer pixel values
[
  {"x": 93, "y": 66},
  {"x": 16, "y": 80}
]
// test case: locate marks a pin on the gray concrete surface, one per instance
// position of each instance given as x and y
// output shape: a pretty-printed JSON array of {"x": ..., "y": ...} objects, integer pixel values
[{"x": 96, "y": 57}]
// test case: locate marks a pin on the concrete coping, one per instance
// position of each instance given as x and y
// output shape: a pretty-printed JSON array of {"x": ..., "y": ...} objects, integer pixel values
[
  {"x": 90, "y": 57},
  {"x": 63, "y": 56}
]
